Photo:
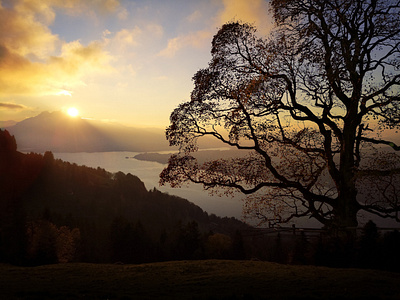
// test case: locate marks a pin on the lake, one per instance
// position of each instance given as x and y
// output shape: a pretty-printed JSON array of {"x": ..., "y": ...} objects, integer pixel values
[{"x": 149, "y": 172}]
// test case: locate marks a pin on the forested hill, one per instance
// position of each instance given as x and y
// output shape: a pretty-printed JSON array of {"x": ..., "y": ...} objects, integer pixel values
[{"x": 95, "y": 215}]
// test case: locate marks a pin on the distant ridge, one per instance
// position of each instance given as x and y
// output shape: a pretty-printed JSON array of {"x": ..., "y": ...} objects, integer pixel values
[
  {"x": 7, "y": 123},
  {"x": 57, "y": 132}
]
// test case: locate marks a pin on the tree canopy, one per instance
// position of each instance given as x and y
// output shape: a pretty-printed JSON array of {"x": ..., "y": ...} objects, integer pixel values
[{"x": 309, "y": 105}]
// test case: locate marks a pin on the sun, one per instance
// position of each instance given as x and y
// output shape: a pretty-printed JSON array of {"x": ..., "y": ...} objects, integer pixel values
[{"x": 73, "y": 112}]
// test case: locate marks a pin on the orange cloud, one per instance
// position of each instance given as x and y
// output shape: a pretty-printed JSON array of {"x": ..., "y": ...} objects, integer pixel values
[
  {"x": 133, "y": 37},
  {"x": 72, "y": 7},
  {"x": 19, "y": 75},
  {"x": 36, "y": 62},
  {"x": 195, "y": 40},
  {"x": 253, "y": 11},
  {"x": 127, "y": 37},
  {"x": 78, "y": 60},
  {"x": 23, "y": 34},
  {"x": 11, "y": 106}
]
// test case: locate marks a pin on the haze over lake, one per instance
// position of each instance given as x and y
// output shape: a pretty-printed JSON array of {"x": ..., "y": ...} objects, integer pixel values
[{"x": 149, "y": 172}]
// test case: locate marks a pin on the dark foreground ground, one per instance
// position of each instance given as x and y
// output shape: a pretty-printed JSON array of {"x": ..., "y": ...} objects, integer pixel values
[{"x": 209, "y": 279}]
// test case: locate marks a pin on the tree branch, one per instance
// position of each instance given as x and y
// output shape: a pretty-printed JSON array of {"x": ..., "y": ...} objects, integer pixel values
[{"x": 381, "y": 142}]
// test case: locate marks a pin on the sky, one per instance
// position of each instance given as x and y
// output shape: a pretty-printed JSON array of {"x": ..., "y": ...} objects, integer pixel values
[{"x": 122, "y": 61}]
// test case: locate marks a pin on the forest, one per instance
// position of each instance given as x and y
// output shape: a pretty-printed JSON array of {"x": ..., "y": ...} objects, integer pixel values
[
  {"x": 54, "y": 211},
  {"x": 57, "y": 212}
]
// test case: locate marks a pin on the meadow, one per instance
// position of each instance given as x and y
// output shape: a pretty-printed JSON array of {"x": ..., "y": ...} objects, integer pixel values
[{"x": 208, "y": 279}]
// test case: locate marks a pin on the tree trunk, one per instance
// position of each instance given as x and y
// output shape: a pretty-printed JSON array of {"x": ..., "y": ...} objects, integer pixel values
[
  {"x": 347, "y": 205},
  {"x": 346, "y": 208}
]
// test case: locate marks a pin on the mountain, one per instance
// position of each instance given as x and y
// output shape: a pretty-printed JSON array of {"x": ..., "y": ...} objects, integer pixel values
[
  {"x": 58, "y": 132},
  {"x": 7, "y": 123}
]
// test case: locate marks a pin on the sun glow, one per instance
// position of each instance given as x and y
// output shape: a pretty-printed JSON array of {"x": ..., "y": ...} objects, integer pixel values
[
  {"x": 73, "y": 112},
  {"x": 64, "y": 93}
]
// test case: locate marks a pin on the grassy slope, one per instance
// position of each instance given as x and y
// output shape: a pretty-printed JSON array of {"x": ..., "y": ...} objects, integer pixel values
[{"x": 210, "y": 279}]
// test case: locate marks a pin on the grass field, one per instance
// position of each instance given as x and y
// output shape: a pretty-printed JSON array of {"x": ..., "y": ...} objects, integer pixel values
[{"x": 209, "y": 279}]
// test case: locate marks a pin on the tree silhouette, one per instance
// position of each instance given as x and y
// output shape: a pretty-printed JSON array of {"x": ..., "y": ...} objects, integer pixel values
[
  {"x": 391, "y": 245},
  {"x": 218, "y": 246},
  {"x": 306, "y": 105},
  {"x": 301, "y": 249},
  {"x": 238, "y": 251},
  {"x": 279, "y": 254},
  {"x": 42, "y": 242},
  {"x": 187, "y": 244},
  {"x": 7, "y": 142},
  {"x": 369, "y": 253}
]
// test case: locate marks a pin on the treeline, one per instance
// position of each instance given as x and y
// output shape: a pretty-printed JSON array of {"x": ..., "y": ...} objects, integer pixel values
[
  {"x": 370, "y": 249},
  {"x": 130, "y": 243},
  {"x": 367, "y": 248},
  {"x": 54, "y": 211}
]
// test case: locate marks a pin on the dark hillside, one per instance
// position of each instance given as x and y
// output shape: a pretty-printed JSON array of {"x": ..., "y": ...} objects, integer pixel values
[
  {"x": 44, "y": 198},
  {"x": 54, "y": 211}
]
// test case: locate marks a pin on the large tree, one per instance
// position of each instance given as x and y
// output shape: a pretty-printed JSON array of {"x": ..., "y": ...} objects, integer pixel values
[{"x": 308, "y": 105}]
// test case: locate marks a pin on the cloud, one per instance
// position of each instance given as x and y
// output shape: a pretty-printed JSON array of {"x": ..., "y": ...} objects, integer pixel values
[
  {"x": 123, "y": 14},
  {"x": 123, "y": 43},
  {"x": 194, "y": 39},
  {"x": 195, "y": 16},
  {"x": 252, "y": 11},
  {"x": 23, "y": 34},
  {"x": 127, "y": 37},
  {"x": 132, "y": 37},
  {"x": 43, "y": 11},
  {"x": 11, "y": 106},
  {"x": 76, "y": 7},
  {"x": 64, "y": 93},
  {"x": 109, "y": 5},
  {"x": 20, "y": 76},
  {"x": 155, "y": 30},
  {"x": 33, "y": 61}
]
